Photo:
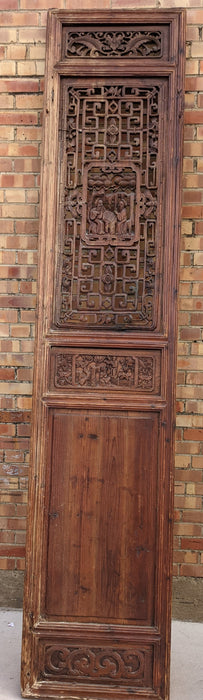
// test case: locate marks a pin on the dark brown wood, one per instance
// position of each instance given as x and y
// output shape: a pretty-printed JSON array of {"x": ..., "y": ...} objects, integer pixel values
[{"x": 99, "y": 548}]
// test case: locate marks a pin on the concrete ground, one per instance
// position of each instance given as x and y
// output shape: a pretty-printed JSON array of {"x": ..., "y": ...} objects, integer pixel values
[{"x": 186, "y": 659}]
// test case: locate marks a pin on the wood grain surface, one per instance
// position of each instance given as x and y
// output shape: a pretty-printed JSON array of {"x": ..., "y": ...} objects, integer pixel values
[{"x": 97, "y": 602}]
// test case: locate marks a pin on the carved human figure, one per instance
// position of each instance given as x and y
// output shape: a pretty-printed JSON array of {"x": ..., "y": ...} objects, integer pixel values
[
  {"x": 121, "y": 213},
  {"x": 102, "y": 219},
  {"x": 96, "y": 218}
]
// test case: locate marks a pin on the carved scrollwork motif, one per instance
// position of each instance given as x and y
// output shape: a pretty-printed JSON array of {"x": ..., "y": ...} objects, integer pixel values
[
  {"x": 114, "y": 43},
  {"x": 64, "y": 370},
  {"x": 109, "y": 256},
  {"x": 93, "y": 664},
  {"x": 145, "y": 372},
  {"x": 95, "y": 370}
]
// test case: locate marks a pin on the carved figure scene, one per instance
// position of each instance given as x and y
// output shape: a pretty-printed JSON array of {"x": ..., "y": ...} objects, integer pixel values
[
  {"x": 111, "y": 205},
  {"x": 109, "y": 217},
  {"x": 105, "y": 370},
  {"x": 94, "y": 370}
]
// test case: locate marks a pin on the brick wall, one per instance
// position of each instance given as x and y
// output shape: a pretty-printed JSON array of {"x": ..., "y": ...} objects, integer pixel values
[{"x": 22, "y": 51}]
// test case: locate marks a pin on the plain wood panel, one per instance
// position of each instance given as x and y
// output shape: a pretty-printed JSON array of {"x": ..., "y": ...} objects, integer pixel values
[{"x": 102, "y": 516}]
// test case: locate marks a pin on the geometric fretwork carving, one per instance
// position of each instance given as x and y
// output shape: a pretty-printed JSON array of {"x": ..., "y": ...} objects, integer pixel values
[
  {"x": 110, "y": 243},
  {"x": 105, "y": 371},
  {"x": 113, "y": 43}
]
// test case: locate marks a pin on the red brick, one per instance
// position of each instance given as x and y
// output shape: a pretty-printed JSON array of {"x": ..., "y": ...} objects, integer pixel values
[
  {"x": 5, "y": 164},
  {"x": 199, "y": 227},
  {"x": 7, "y": 35},
  {"x": 192, "y": 212},
  {"x": 27, "y": 35},
  {"x": 6, "y": 374},
  {"x": 7, "y": 537},
  {"x": 192, "y": 84},
  {"x": 16, "y": 180},
  {"x": 23, "y": 430},
  {"x": 27, "y": 165},
  {"x": 197, "y": 319},
  {"x": 192, "y": 196},
  {"x": 20, "y": 564},
  {"x": 29, "y": 133},
  {"x": 187, "y": 448},
  {"x": 18, "y": 118},
  {"x": 12, "y": 551},
  {"x": 7, "y": 564},
  {"x": 194, "y": 516},
  {"x": 193, "y": 116},
  {"x": 191, "y": 543},
  {"x": 9, "y": 4},
  {"x": 18, "y": 301},
  {"x": 187, "y": 529},
  {"x": 19, "y": 84},
  {"x": 193, "y": 149},
  {"x": 18, "y": 18},
  {"x": 190, "y": 570},
  {"x": 24, "y": 374},
  {"x": 195, "y": 16},
  {"x": 190, "y": 334},
  {"x": 20, "y": 538},
  {"x": 15, "y": 416},
  {"x": 6, "y": 226},
  {"x": 16, "y": 523},
  {"x": 193, "y": 434},
  {"x": 27, "y": 227}
]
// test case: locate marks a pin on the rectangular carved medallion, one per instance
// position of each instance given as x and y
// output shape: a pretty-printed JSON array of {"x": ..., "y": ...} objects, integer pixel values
[{"x": 99, "y": 547}]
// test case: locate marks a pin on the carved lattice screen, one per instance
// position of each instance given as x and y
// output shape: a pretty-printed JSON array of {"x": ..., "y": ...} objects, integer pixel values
[{"x": 97, "y": 600}]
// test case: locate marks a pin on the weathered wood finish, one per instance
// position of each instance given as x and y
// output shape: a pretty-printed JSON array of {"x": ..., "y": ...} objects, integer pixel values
[{"x": 99, "y": 546}]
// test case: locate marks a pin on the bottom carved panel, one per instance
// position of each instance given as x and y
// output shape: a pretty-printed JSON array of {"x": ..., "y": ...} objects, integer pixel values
[{"x": 98, "y": 665}]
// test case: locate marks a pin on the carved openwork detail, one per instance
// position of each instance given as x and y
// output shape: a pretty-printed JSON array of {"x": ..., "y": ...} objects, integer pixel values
[
  {"x": 93, "y": 664},
  {"x": 145, "y": 372},
  {"x": 114, "y": 43},
  {"x": 109, "y": 258},
  {"x": 100, "y": 370}
]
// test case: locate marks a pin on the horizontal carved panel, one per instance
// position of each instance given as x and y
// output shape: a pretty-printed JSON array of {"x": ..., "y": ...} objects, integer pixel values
[
  {"x": 139, "y": 371},
  {"x": 133, "y": 41},
  {"x": 98, "y": 665},
  {"x": 109, "y": 268}
]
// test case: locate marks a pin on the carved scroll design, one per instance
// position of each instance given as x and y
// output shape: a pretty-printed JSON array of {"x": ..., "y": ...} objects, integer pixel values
[
  {"x": 114, "y": 43},
  {"x": 109, "y": 259},
  {"x": 89, "y": 370},
  {"x": 145, "y": 372},
  {"x": 93, "y": 664}
]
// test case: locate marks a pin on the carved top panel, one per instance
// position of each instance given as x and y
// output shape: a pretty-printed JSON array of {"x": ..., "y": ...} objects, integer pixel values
[
  {"x": 113, "y": 43},
  {"x": 116, "y": 41}
]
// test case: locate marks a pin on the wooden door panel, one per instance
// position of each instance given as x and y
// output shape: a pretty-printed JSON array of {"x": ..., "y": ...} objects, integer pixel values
[
  {"x": 102, "y": 517},
  {"x": 99, "y": 547}
]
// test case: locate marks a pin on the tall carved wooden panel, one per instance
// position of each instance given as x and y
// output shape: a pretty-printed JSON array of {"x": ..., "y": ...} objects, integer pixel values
[{"x": 98, "y": 576}]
